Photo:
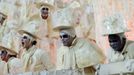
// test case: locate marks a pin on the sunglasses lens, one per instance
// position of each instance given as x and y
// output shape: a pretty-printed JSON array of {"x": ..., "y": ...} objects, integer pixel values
[
  {"x": 64, "y": 36},
  {"x": 25, "y": 37},
  {"x": 3, "y": 52},
  {"x": 45, "y": 9}
]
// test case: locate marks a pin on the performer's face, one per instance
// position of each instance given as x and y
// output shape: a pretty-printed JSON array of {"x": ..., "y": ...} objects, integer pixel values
[
  {"x": 66, "y": 38},
  {"x": 45, "y": 13},
  {"x": 25, "y": 42},
  {"x": 115, "y": 42},
  {"x": 3, "y": 55}
]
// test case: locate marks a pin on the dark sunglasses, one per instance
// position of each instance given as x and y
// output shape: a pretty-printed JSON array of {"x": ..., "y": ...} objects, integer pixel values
[
  {"x": 64, "y": 36},
  {"x": 3, "y": 52},
  {"x": 45, "y": 9},
  {"x": 24, "y": 37}
]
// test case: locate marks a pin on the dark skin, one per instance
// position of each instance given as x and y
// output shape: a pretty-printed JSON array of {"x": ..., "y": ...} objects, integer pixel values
[
  {"x": 66, "y": 38},
  {"x": 45, "y": 13},
  {"x": 116, "y": 42}
]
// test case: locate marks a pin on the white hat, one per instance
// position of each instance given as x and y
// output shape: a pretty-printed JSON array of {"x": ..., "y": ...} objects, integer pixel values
[
  {"x": 4, "y": 9},
  {"x": 114, "y": 24},
  {"x": 74, "y": 5},
  {"x": 67, "y": 4},
  {"x": 30, "y": 29},
  {"x": 34, "y": 16},
  {"x": 13, "y": 2},
  {"x": 45, "y": 3},
  {"x": 7, "y": 44},
  {"x": 62, "y": 19},
  {"x": 7, "y": 9},
  {"x": 33, "y": 13},
  {"x": 10, "y": 51}
]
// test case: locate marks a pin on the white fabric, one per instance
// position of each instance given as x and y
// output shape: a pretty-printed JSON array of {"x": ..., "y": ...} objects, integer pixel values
[
  {"x": 32, "y": 28},
  {"x": 4, "y": 8},
  {"x": 61, "y": 17},
  {"x": 35, "y": 59},
  {"x": 114, "y": 24},
  {"x": 15, "y": 66},
  {"x": 3, "y": 68}
]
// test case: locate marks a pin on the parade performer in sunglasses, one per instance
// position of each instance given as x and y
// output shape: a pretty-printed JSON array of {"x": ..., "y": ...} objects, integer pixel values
[
  {"x": 76, "y": 53},
  {"x": 34, "y": 59}
]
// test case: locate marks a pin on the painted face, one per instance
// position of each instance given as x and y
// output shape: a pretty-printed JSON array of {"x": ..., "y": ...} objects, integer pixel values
[
  {"x": 66, "y": 38},
  {"x": 3, "y": 55},
  {"x": 115, "y": 42},
  {"x": 25, "y": 41},
  {"x": 45, "y": 13}
]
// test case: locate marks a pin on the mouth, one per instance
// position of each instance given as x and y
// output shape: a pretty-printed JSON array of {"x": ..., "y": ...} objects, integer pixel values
[
  {"x": 22, "y": 43},
  {"x": 44, "y": 16},
  {"x": 77, "y": 22},
  {"x": 64, "y": 42}
]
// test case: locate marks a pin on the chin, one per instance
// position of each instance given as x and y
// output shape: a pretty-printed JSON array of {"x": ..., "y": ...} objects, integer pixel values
[
  {"x": 44, "y": 17},
  {"x": 23, "y": 46}
]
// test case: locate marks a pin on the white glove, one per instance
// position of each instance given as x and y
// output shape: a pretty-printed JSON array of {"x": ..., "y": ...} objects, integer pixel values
[{"x": 130, "y": 65}]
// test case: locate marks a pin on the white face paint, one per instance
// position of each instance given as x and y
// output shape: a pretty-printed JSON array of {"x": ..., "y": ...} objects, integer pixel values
[
  {"x": 25, "y": 40},
  {"x": 67, "y": 37},
  {"x": 45, "y": 12}
]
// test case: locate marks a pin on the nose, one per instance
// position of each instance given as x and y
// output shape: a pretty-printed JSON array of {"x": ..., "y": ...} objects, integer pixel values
[
  {"x": 23, "y": 40},
  {"x": 63, "y": 39},
  {"x": 114, "y": 44},
  {"x": 45, "y": 13}
]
